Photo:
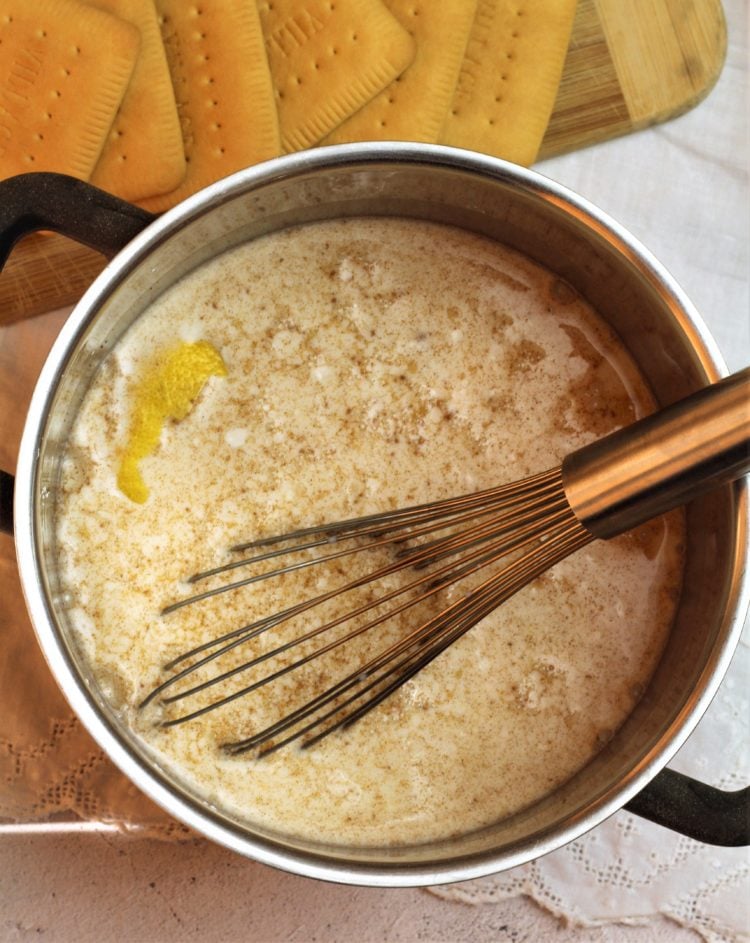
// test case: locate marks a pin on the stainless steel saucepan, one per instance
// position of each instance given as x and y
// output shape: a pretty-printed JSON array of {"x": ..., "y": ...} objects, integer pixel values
[{"x": 525, "y": 211}]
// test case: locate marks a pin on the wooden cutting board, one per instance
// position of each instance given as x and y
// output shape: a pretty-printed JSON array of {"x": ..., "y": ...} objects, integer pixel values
[{"x": 631, "y": 63}]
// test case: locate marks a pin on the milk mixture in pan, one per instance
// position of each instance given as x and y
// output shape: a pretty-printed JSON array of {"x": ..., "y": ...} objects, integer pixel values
[{"x": 370, "y": 364}]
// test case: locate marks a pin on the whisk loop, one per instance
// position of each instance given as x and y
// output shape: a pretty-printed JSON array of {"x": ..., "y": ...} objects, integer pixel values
[{"x": 530, "y": 519}]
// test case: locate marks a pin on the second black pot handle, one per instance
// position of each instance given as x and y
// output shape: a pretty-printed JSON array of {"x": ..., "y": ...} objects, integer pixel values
[
  {"x": 695, "y": 809},
  {"x": 30, "y": 202},
  {"x": 6, "y": 502}
]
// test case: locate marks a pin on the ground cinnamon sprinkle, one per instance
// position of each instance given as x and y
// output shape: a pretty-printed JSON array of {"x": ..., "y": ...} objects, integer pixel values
[{"x": 366, "y": 371}]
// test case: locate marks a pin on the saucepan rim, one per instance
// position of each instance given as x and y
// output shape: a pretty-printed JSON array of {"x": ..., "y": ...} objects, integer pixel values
[{"x": 29, "y": 550}]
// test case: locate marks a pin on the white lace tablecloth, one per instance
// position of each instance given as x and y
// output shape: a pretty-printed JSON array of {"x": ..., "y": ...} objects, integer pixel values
[
  {"x": 682, "y": 188},
  {"x": 628, "y": 870}
]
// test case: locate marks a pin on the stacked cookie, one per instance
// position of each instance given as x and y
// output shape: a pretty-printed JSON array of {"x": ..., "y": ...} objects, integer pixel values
[{"x": 154, "y": 99}]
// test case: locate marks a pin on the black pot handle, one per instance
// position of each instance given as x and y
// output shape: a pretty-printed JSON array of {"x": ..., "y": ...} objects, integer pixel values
[
  {"x": 69, "y": 206},
  {"x": 97, "y": 219},
  {"x": 30, "y": 202},
  {"x": 6, "y": 502},
  {"x": 695, "y": 809}
]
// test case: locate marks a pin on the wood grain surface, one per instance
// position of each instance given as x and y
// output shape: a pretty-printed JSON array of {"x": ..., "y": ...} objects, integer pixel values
[{"x": 631, "y": 63}]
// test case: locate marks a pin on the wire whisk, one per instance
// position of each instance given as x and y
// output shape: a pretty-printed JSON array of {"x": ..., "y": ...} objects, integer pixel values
[{"x": 481, "y": 548}]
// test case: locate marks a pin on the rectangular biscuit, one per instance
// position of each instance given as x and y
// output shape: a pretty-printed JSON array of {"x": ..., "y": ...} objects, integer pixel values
[
  {"x": 328, "y": 58},
  {"x": 509, "y": 78},
  {"x": 414, "y": 106},
  {"x": 64, "y": 69},
  {"x": 223, "y": 89},
  {"x": 143, "y": 155}
]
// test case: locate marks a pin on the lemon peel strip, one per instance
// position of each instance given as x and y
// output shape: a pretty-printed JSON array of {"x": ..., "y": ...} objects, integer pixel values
[{"x": 168, "y": 391}]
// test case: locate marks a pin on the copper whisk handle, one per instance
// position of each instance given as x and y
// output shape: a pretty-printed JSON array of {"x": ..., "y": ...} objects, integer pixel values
[{"x": 662, "y": 461}]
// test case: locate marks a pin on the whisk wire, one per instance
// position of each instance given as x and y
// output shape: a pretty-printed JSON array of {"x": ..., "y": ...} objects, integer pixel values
[
  {"x": 417, "y": 556},
  {"x": 439, "y": 632},
  {"x": 530, "y": 519},
  {"x": 446, "y": 575},
  {"x": 513, "y": 491},
  {"x": 449, "y": 513}
]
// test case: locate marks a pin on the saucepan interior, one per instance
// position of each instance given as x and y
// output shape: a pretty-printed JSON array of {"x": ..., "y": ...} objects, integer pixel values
[{"x": 527, "y": 213}]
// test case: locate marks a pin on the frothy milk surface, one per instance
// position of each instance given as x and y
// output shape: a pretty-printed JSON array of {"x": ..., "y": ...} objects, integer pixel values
[{"x": 372, "y": 364}]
